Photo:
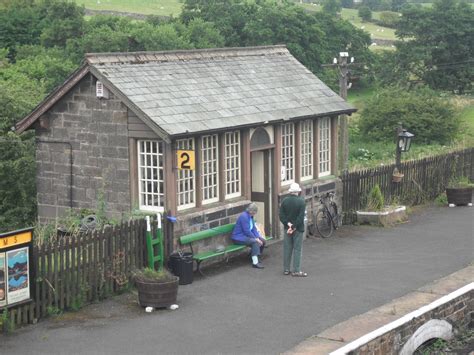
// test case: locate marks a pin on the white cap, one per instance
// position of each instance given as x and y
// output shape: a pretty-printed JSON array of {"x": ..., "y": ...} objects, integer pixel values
[{"x": 294, "y": 187}]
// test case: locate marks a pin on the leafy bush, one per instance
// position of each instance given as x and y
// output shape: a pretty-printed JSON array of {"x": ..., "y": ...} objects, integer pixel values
[
  {"x": 460, "y": 182},
  {"x": 17, "y": 182},
  {"x": 151, "y": 275},
  {"x": 375, "y": 200},
  {"x": 388, "y": 19},
  {"x": 441, "y": 199},
  {"x": 421, "y": 111},
  {"x": 365, "y": 13},
  {"x": 363, "y": 154}
]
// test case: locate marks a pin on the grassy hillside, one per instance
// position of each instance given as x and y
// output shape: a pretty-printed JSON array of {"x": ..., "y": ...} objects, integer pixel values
[
  {"x": 147, "y": 7},
  {"x": 377, "y": 32}
]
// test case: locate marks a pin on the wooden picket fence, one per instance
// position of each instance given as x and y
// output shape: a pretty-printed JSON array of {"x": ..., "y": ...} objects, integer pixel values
[
  {"x": 424, "y": 180},
  {"x": 76, "y": 270}
]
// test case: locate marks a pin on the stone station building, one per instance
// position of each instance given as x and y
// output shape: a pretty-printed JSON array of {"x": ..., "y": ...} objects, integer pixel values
[{"x": 256, "y": 119}]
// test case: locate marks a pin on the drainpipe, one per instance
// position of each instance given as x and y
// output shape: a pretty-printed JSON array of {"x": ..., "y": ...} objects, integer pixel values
[{"x": 70, "y": 164}]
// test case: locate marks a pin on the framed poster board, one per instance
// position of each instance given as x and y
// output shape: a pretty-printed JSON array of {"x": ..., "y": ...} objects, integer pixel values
[
  {"x": 3, "y": 280},
  {"x": 15, "y": 272}
]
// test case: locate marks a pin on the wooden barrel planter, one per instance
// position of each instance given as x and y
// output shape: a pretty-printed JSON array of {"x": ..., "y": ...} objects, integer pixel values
[
  {"x": 459, "y": 195},
  {"x": 157, "y": 294}
]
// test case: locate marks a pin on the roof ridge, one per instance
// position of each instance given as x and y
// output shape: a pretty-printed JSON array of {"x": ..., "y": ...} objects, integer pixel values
[{"x": 182, "y": 55}]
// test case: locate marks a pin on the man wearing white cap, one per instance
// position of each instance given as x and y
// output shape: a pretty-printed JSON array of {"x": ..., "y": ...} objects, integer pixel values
[{"x": 292, "y": 212}]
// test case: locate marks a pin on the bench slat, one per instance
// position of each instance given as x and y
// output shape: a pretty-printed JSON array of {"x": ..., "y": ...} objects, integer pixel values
[
  {"x": 208, "y": 233},
  {"x": 210, "y": 254}
]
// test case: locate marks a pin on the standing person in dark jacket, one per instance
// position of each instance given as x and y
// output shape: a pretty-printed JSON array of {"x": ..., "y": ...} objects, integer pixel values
[
  {"x": 292, "y": 212},
  {"x": 245, "y": 232}
]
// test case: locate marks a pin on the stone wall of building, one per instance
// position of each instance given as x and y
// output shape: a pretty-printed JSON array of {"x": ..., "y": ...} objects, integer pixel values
[
  {"x": 206, "y": 219},
  {"x": 90, "y": 133}
]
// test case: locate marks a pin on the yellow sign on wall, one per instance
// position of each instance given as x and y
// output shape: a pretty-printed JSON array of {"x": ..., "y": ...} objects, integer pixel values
[
  {"x": 15, "y": 239},
  {"x": 186, "y": 160}
]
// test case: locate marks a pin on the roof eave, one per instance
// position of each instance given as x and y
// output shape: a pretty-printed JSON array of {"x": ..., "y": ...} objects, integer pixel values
[
  {"x": 127, "y": 102},
  {"x": 258, "y": 124},
  {"x": 51, "y": 99}
]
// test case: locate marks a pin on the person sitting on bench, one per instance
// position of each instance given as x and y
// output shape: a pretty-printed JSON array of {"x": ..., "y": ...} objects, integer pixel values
[{"x": 245, "y": 232}]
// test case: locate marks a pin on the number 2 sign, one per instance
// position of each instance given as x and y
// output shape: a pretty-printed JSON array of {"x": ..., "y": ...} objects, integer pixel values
[{"x": 186, "y": 160}]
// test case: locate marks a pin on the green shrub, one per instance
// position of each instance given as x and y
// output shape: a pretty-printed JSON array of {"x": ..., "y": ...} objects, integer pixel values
[
  {"x": 151, "y": 275},
  {"x": 365, "y": 13},
  {"x": 375, "y": 200},
  {"x": 388, "y": 19},
  {"x": 460, "y": 182},
  {"x": 7, "y": 325},
  {"x": 421, "y": 111},
  {"x": 441, "y": 200}
]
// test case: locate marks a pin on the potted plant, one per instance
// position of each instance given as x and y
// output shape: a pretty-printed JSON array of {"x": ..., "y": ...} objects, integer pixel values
[
  {"x": 459, "y": 191},
  {"x": 397, "y": 176},
  {"x": 377, "y": 213},
  {"x": 156, "y": 288}
]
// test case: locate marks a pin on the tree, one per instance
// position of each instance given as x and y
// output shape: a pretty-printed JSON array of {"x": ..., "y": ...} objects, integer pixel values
[
  {"x": 313, "y": 38},
  {"x": 18, "y": 96},
  {"x": 377, "y": 5},
  {"x": 229, "y": 17},
  {"x": 201, "y": 34},
  {"x": 19, "y": 24},
  {"x": 348, "y": 4},
  {"x": 421, "y": 111},
  {"x": 49, "y": 22},
  {"x": 388, "y": 19},
  {"x": 61, "y": 20},
  {"x": 437, "y": 44},
  {"x": 397, "y": 5},
  {"x": 365, "y": 13},
  {"x": 332, "y": 7},
  {"x": 17, "y": 182}
]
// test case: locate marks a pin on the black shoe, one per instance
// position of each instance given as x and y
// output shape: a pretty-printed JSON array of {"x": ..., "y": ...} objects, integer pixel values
[{"x": 258, "y": 266}]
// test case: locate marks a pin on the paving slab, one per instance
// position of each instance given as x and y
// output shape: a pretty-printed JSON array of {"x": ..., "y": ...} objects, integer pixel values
[
  {"x": 343, "y": 333},
  {"x": 236, "y": 309},
  {"x": 315, "y": 346},
  {"x": 357, "y": 326}
]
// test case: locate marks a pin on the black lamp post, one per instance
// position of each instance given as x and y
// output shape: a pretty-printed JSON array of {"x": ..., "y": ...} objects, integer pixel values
[{"x": 403, "y": 143}]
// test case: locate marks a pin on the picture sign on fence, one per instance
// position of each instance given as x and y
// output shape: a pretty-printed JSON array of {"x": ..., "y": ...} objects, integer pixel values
[{"x": 15, "y": 273}]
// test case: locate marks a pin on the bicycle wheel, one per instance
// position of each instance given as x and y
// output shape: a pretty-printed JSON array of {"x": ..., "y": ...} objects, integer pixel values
[{"x": 324, "y": 224}]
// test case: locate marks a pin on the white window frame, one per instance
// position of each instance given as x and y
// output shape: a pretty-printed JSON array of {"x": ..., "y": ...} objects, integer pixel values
[
  {"x": 324, "y": 146},
  {"x": 186, "y": 184},
  {"x": 232, "y": 166},
  {"x": 151, "y": 184},
  {"x": 210, "y": 168},
  {"x": 306, "y": 139},
  {"x": 288, "y": 153}
]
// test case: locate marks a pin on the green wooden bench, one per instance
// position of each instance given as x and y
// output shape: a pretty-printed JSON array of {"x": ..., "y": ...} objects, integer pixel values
[{"x": 189, "y": 239}]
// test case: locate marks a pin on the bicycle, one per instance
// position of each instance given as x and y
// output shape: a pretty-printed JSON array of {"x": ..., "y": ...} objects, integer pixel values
[{"x": 327, "y": 218}]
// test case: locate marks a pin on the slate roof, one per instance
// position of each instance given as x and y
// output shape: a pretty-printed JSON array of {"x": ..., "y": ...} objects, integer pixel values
[
  {"x": 183, "y": 92},
  {"x": 194, "y": 91}
]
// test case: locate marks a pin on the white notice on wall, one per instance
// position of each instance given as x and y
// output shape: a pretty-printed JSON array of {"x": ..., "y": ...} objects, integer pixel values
[{"x": 283, "y": 173}]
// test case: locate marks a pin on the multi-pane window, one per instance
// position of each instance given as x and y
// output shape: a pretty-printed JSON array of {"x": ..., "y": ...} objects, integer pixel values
[
  {"x": 306, "y": 150},
  {"x": 186, "y": 181},
  {"x": 324, "y": 146},
  {"x": 287, "y": 153},
  {"x": 232, "y": 164},
  {"x": 209, "y": 169},
  {"x": 151, "y": 175}
]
